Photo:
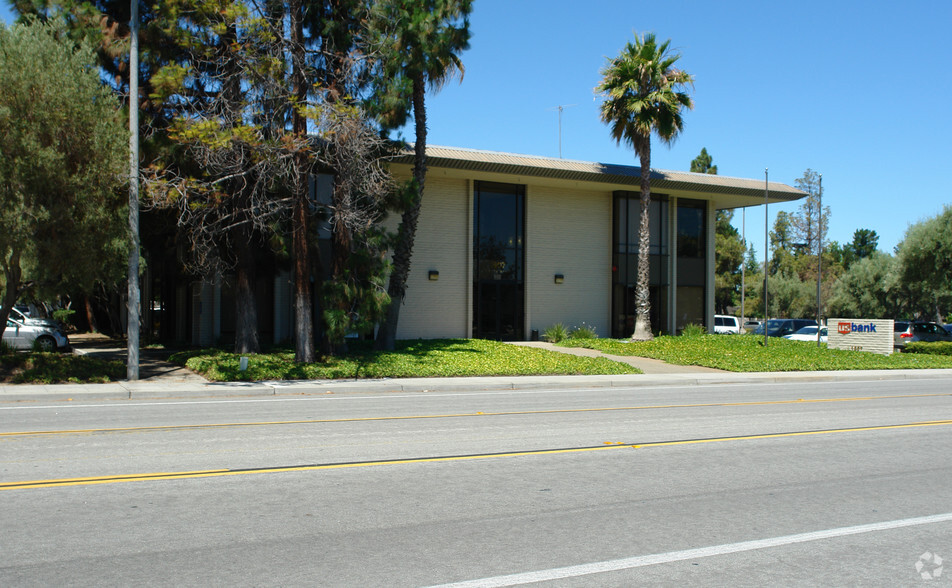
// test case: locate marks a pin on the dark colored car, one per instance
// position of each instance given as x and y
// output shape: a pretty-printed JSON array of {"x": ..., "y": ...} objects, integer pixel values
[
  {"x": 913, "y": 331},
  {"x": 781, "y": 327}
]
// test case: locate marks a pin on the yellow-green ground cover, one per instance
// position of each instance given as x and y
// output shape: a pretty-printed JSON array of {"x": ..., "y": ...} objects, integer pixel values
[
  {"x": 747, "y": 353},
  {"x": 411, "y": 359}
]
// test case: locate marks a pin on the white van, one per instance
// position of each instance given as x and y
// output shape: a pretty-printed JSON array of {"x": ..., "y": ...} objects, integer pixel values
[{"x": 726, "y": 324}]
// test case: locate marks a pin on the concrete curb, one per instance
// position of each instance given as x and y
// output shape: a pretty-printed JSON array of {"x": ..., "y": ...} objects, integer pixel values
[{"x": 154, "y": 390}]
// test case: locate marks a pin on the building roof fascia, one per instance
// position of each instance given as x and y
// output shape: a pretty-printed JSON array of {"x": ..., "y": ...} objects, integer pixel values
[{"x": 623, "y": 175}]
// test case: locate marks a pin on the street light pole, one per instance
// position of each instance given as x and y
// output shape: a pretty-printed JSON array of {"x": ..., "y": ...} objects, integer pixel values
[
  {"x": 132, "y": 305},
  {"x": 766, "y": 249},
  {"x": 819, "y": 261},
  {"x": 743, "y": 264}
]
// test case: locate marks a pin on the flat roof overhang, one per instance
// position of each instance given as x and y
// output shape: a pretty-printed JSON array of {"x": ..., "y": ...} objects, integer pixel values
[{"x": 726, "y": 192}]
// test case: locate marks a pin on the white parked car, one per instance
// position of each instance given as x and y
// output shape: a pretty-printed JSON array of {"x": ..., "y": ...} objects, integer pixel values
[
  {"x": 808, "y": 334},
  {"x": 726, "y": 325},
  {"x": 25, "y": 336}
]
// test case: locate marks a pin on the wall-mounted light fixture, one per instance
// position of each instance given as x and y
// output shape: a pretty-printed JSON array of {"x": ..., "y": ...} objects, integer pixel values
[
  {"x": 559, "y": 278},
  {"x": 433, "y": 275}
]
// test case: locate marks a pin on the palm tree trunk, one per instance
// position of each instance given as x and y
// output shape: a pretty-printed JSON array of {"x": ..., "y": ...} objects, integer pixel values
[
  {"x": 642, "y": 292},
  {"x": 403, "y": 249}
]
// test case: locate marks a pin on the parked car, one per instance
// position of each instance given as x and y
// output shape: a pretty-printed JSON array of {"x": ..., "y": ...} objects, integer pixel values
[
  {"x": 781, "y": 327},
  {"x": 808, "y": 334},
  {"x": 726, "y": 324},
  {"x": 914, "y": 331},
  {"x": 19, "y": 335},
  {"x": 751, "y": 325},
  {"x": 27, "y": 319}
]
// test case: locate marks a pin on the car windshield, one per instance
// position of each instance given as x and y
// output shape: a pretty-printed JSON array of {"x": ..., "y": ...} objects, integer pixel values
[
  {"x": 773, "y": 325},
  {"x": 806, "y": 331}
]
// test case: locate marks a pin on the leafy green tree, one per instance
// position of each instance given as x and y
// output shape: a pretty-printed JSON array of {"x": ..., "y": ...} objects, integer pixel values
[
  {"x": 63, "y": 146},
  {"x": 925, "y": 257},
  {"x": 869, "y": 288},
  {"x": 418, "y": 45},
  {"x": 805, "y": 224},
  {"x": 791, "y": 297},
  {"x": 246, "y": 154},
  {"x": 702, "y": 164},
  {"x": 728, "y": 258},
  {"x": 863, "y": 245},
  {"x": 782, "y": 246},
  {"x": 644, "y": 93}
]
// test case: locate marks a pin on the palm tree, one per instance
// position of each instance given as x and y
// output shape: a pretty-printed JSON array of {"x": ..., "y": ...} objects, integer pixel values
[
  {"x": 643, "y": 94},
  {"x": 418, "y": 43}
]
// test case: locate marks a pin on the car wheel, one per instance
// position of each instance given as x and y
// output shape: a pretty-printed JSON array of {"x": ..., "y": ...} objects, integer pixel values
[{"x": 45, "y": 343}]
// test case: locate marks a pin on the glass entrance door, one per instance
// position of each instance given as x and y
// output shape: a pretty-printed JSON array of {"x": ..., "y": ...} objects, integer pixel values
[{"x": 498, "y": 261}]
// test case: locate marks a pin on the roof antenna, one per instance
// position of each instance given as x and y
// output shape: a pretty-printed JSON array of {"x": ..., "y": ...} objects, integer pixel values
[{"x": 560, "y": 108}]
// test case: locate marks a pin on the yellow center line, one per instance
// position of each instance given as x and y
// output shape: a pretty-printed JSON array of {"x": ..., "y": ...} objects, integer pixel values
[
  {"x": 464, "y": 415},
  {"x": 145, "y": 477}
]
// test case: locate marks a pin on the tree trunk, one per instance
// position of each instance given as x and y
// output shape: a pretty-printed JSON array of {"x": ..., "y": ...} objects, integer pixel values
[
  {"x": 403, "y": 249},
  {"x": 12, "y": 275},
  {"x": 90, "y": 314},
  {"x": 642, "y": 291},
  {"x": 303, "y": 299},
  {"x": 246, "y": 303},
  {"x": 341, "y": 247}
]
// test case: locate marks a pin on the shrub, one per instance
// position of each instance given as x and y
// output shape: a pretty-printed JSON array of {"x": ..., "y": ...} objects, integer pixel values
[
  {"x": 64, "y": 316},
  {"x": 693, "y": 330},
  {"x": 930, "y": 348},
  {"x": 555, "y": 333},
  {"x": 583, "y": 332}
]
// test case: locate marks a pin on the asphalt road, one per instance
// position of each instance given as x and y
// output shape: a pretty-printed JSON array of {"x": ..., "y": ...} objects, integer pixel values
[{"x": 740, "y": 485}]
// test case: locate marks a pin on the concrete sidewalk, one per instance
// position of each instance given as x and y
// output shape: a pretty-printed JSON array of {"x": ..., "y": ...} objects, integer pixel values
[
  {"x": 161, "y": 380},
  {"x": 167, "y": 389}
]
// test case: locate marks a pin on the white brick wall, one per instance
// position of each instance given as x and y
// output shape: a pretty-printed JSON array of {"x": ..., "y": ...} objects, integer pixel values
[
  {"x": 438, "y": 309},
  {"x": 873, "y": 335},
  {"x": 568, "y": 232}
]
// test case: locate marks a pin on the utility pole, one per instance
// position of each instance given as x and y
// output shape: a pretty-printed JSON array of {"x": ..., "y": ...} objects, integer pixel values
[{"x": 132, "y": 305}]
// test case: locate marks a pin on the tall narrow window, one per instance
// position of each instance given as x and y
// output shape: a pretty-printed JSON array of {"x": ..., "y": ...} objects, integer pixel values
[
  {"x": 498, "y": 261},
  {"x": 692, "y": 262},
  {"x": 627, "y": 218}
]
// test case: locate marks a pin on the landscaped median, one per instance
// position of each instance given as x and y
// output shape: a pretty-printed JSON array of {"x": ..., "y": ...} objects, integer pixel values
[
  {"x": 747, "y": 353},
  {"x": 411, "y": 359},
  {"x": 477, "y": 357},
  {"x": 52, "y": 368}
]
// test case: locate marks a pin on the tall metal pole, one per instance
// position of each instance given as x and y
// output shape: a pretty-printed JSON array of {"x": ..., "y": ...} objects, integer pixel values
[
  {"x": 743, "y": 264},
  {"x": 819, "y": 262},
  {"x": 766, "y": 250},
  {"x": 133, "y": 310}
]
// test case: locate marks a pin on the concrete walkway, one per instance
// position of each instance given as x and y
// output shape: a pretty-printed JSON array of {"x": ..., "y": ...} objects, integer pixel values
[
  {"x": 648, "y": 366},
  {"x": 161, "y": 380}
]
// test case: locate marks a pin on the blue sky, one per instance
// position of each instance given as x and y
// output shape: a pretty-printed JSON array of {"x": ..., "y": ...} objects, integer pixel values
[{"x": 857, "y": 91}]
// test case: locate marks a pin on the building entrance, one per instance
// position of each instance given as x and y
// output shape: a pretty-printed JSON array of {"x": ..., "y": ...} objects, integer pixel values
[{"x": 498, "y": 261}]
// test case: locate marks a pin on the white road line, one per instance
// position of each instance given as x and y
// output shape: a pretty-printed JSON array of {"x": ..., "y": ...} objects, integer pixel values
[{"x": 660, "y": 558}]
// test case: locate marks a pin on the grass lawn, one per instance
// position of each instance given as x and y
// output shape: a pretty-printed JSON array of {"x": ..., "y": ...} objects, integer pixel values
[
  {"x": 52, "y": 368},
  {"x": 747, "y": 353},
  {"x": 411, "y": 359}
]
